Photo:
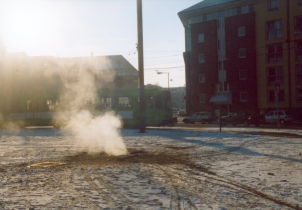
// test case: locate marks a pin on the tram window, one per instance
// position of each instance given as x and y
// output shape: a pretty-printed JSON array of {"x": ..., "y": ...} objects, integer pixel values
[
  {"x": 106, "y": 102},
  {"x": 124, "y": 101}
]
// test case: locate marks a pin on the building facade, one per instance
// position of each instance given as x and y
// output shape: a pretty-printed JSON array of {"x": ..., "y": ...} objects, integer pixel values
[
  {"x": 243, "y": 55},
  {"x": 37, "y": 83}
]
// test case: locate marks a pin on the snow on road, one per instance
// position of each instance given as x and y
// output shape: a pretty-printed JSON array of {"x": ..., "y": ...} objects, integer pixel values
[{"x": 165, "y": 169}]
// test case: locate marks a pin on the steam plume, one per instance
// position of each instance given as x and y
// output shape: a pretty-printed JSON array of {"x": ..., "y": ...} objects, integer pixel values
[
  {"x": 93, "y": 132},
  {"x": 96, "y": 134}
]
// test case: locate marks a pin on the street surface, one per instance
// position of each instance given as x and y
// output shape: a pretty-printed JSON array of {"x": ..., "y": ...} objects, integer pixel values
[{"x": 166, "y": 168}]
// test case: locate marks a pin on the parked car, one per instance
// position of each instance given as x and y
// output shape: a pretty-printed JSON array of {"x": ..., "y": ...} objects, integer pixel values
[
  {"x": 276, "y": 116},
  {"x": 255, "y": 119},
  {"x": 202, "y": 117},
  {"x": 234, "y": 118}
]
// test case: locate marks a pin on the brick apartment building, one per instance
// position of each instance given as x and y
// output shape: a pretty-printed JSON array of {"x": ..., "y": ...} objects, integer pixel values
[{"x": 243, "y": 55}]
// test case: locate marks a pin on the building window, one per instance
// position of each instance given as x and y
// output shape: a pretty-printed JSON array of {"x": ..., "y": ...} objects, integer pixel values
[
  {"x": 281, "y": 96},
  {"x": 274, "y": 30},
  {"x": 298, "y": 51},
  {"x": 252, "y": 9},
  {"x": 242, "y": 74},
  {"x": 201, "y": 78},
  {"x": 273, "y": 4},
  {"x": 275, "y": 75},
  {"x": 201, "y": 58},
  {"x": 272, "y": 96},
  {"x": 299, "y": 74},
  {"x": 274, "y": 53},
  {"x": 243, "y": 96},
  {"x": 242, "y": 53},
  {"x": 298, "y": 25},
  {"x": 241, "y": 31},
  {"x": 299, "y": 94},
  {"x": 200, "y": 38},
  {"x": 202, "y": 99},
  {"x": 245, "y": 9}
]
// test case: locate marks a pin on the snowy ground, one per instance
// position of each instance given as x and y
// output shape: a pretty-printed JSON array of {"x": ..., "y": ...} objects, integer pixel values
[{"x": 165, "y": 169}]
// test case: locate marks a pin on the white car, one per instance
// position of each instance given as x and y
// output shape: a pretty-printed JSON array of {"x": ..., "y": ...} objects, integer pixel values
[
  {"x": 276, "y": 116},
  {"x": 202, "y": 117}
]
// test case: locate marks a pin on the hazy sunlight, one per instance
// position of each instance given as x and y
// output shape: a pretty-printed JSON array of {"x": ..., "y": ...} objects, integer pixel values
[{"x": 26, "y": 24}]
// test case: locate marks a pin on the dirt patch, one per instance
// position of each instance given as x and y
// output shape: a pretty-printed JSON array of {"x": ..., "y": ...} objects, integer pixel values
[
  {"x": 45, "y": 164},
  {"x": 134, "y": 156},
  {"x": 164, "y": 157}
]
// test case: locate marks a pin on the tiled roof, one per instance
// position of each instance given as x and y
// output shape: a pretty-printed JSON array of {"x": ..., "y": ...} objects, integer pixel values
[
  {"x": 116, "y": 63},
  {"x": 204, "y": 4}
]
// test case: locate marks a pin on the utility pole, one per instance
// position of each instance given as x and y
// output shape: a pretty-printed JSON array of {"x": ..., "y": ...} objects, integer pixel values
[
  {"x": 288, "y": 40},
  {"x": 140, "y": 50}
]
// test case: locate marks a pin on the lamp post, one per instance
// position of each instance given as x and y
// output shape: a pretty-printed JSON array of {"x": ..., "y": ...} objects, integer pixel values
[{"x": 168, "y": 77}]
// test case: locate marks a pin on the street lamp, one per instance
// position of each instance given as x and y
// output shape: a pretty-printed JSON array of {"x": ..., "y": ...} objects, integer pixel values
[{"x": 168, "y": 77}]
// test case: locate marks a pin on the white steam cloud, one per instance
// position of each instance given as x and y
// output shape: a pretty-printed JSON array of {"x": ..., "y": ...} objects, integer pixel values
[
  {"x": 94, "y": 134},
  {"x": 92, "y": 131}
]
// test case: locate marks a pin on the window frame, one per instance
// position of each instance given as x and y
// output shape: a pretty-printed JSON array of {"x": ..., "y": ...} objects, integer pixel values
[
  {"x": 298, "y": 27},
  {"x": 106, "y": 102},
  {"x": 245, "y": 77},
  {"x": 241, "y": 33},
  {"x": 298, "y": 51},
  {"x": 243, "y": 96},
  {"x": 299, "y": 95},
  {"x": 298, "y": 74},
  {"x": 276, "y": 78},
  {"x": 201, "y": 37},
  {"x": 245, "y": 9},
  {"x": 203, "y": 60},
  {"x": 281, "y": 96},
  {"x": 272, "y": 96},
  {"x": 272, "y": 30},
  {"x": 274, "y": 53},
  {"x": 271, "y": 6},
  {"x": 202, "y": 78},
  {"x": 124, "y": 101},
  {"x": 242, "y": 53},
  {"x": 203, "y": 99}
]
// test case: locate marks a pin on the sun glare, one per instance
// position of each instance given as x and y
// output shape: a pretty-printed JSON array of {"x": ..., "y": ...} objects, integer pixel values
[{"x": 28, "y": 24}]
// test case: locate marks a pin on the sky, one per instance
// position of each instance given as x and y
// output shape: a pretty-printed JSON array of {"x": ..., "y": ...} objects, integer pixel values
[{"x": 69, "y": 28}]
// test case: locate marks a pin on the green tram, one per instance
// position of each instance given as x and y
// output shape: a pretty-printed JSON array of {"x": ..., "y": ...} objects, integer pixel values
[{"x": 124, "y": 102}]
